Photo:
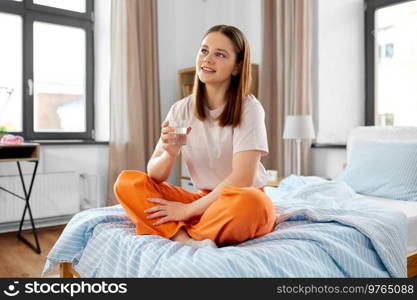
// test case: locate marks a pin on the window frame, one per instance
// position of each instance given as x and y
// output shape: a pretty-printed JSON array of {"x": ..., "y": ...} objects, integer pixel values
[
  {"x": 371, "y": 6},
  {"x": 31, "y": 12}
]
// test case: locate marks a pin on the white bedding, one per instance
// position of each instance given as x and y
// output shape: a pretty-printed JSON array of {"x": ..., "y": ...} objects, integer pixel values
[
  {"x": 410, "y": 210},
  {"x": 391, "y": 133}
]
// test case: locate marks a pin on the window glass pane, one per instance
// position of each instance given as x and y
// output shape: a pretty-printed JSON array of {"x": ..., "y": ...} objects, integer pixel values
[
  {"x": 11, "y": 72},
  {"x": 396, "y": 65},
  {"x": 59, "y": 78},
  {"x": 74, "y": 5}
]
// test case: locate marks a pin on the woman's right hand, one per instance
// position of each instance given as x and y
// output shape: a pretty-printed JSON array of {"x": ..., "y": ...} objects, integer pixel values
[{"x": 173, "y": 150}]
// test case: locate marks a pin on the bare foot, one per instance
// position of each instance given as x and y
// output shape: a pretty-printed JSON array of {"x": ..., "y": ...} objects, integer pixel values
[{"x": 181, "y": 236}]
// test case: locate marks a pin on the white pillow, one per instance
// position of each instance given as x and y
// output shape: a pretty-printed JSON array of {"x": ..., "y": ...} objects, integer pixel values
[{"x": 383, "y": 169}]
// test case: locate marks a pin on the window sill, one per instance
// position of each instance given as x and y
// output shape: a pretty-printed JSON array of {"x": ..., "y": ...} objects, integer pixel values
[
  {"x": 68, "y": 142},
  {"x": 328, "y": 146}
]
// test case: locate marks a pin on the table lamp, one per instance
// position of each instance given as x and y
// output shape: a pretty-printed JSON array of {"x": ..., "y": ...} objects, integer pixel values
[{"x": 298, "y": 128}]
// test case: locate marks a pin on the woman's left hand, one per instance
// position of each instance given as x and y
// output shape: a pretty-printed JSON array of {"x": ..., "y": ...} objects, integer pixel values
[{"x": 168, "y": 210}]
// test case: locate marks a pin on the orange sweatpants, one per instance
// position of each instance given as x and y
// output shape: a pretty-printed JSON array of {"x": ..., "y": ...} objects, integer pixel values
[{"x": 237, "y": 215}]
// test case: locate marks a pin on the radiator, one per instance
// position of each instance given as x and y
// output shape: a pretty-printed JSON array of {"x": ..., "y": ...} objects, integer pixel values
[
  {"x": 54, "y": 194},
  {"x": 89, "y": 191}
]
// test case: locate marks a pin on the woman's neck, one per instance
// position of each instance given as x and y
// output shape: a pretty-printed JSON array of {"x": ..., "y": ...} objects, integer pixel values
[{"x": 216, "y": 94}]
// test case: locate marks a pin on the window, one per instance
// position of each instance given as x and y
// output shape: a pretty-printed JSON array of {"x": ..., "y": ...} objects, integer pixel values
[
  {"x": 11, "y": 75},
  {"x": 46, "y": 74},
  {"x": 391, "y": 62}
]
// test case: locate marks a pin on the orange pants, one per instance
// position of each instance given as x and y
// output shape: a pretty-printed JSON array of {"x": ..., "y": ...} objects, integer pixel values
[{"x": 237, "y": 215}]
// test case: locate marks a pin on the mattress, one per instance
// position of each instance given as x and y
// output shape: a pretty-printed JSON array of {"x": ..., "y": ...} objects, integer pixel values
[{"x": 409, "y": 208}]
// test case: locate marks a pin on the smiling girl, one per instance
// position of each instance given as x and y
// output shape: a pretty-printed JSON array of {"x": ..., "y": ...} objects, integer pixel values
[{"x": 226, "y": 138}]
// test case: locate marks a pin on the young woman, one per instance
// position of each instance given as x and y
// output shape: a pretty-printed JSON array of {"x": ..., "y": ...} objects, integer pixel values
[{"x": 226, "y": 138}]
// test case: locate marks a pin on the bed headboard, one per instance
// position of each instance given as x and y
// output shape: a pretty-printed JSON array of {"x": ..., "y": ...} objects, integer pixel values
[{"x": 380, "y": 133}]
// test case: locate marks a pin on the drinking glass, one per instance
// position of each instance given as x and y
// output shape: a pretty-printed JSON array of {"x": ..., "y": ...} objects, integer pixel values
[{"x": 178, "y": 134}]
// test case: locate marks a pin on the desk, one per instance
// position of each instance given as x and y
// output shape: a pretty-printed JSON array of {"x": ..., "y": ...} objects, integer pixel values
[{"x": 16, "y": 153}]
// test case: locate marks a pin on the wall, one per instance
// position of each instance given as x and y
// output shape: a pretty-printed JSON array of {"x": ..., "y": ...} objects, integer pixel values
[
  {"x": 341, "y": 73},
  {"x": 182, "y": 24},
  {"x": 339, "y": 100},
  {"x": 102, "y": 68}
]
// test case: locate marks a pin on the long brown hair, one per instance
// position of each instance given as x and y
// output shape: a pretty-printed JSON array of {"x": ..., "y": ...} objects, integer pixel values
[{"x": 239, "y": 84}]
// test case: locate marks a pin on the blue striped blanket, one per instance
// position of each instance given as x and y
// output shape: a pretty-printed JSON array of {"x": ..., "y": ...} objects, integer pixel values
[{"x": 330, "y": 231}]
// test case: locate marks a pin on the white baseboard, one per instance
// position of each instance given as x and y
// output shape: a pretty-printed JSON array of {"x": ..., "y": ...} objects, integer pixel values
[{"x": 39, "y": 223}]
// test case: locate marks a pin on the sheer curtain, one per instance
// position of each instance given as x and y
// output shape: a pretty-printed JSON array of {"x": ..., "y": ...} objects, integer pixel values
[
  {"x": 134, "y": 93},
  {"x": 285, "y": 77}
]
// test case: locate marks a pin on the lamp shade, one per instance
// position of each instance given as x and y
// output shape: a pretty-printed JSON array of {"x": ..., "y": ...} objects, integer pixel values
[{"x": 299, "y": 127}]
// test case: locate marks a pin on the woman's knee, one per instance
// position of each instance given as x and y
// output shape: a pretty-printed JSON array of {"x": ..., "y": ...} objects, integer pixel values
[
  {"x": 127, "y": 177},
  {"x": 250, "y": 211},
  {"x": 127, "y": 182},
  {"x": 252, "y": 203}
]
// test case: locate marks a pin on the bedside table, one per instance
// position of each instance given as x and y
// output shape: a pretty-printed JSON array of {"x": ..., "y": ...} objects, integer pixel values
[
  {"x": 273, "y": 178},
  {"x": 274, "y": 183}
]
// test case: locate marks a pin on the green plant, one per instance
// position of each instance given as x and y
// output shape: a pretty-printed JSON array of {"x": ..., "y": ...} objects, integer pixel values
[{"x": 3, "y": 130}]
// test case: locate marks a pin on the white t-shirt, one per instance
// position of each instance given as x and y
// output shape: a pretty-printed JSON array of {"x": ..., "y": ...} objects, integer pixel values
[{"x": 209, "y": 150}]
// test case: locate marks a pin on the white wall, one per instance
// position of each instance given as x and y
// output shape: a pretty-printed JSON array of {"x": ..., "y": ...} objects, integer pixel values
[
  {"x": 102, "y": 68},
  {"x": 182, "y": 24},
  {"x": 327, "y": 163},
  {"x": 341, "y": 71},
  {"x": 339, "y": 102}
]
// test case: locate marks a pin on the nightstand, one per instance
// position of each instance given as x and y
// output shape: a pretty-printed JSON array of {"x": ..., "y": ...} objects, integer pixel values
[
  {"x": 273, "y": 178},
  {"x": 274, "y": 183}
]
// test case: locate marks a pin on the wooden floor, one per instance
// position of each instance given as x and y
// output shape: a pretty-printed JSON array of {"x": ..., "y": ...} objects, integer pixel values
[{"x": 19, "y": 260}]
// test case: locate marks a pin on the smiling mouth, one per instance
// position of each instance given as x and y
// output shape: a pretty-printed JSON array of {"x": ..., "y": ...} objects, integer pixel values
[{"x": 206, "y": 69}]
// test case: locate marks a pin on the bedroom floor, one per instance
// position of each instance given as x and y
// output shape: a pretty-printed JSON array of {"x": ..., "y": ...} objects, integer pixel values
[{"x": 18, "y": 260}]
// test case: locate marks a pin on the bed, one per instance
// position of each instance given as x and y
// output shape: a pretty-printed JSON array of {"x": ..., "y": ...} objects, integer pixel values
[
  {"x": 326, "y": 229},
  {"x": 409, "y": 208}
]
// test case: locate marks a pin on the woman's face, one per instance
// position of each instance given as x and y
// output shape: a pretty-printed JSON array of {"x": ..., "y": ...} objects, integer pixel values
[{"x": 216, "y": 59}]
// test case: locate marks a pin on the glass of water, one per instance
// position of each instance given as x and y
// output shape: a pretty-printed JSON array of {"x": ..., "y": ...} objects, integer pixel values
[{"x": 178, "y": 134}]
